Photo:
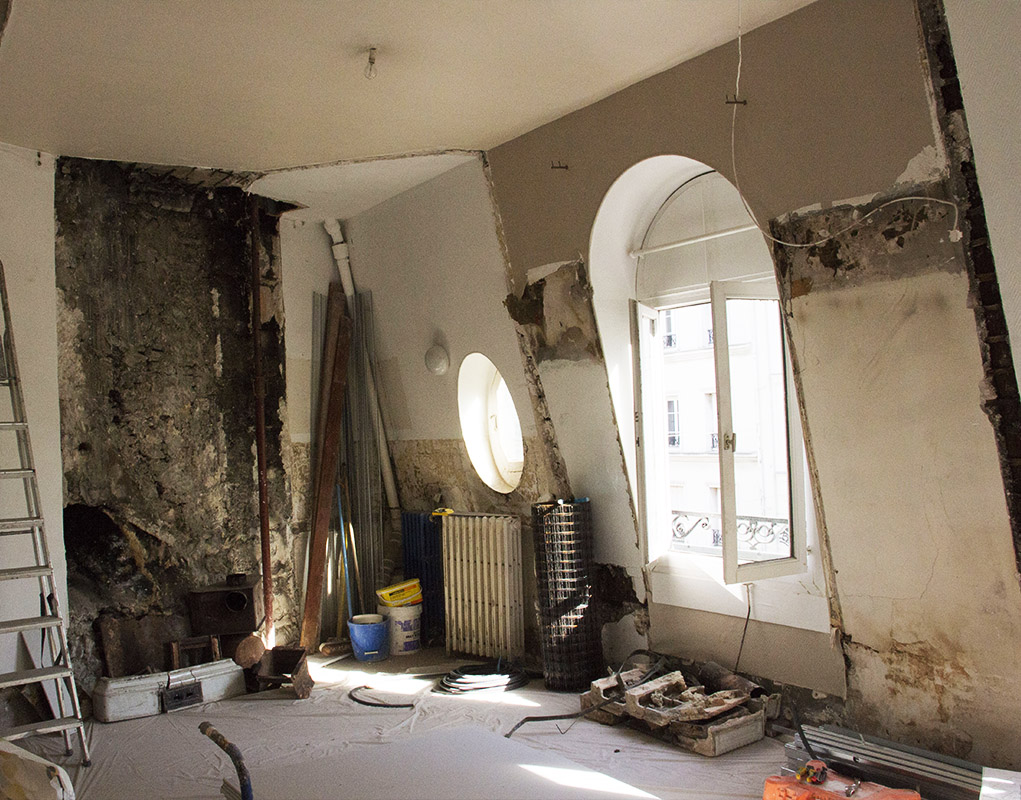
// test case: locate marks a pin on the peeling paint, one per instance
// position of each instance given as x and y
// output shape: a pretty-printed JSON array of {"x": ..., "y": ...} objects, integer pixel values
[
  {"x": 557, "y": 314},
  {"x": 922, "y": 676},
  {"x": 885, "y": 246},
  {"x": 928, "y": 166}
]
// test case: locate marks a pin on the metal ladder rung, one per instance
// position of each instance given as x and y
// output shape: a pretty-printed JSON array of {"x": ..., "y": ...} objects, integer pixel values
[
  {"x": 46, "y": 726},
  {"x": 26, "y": 676},
  {"x": 20, "y": 524},
  {"x": 16, "y": 473},
  {"x": 50, "y": 623},
  {"x": 25, "y": 572},
  {"x": 29, "y": 624}
]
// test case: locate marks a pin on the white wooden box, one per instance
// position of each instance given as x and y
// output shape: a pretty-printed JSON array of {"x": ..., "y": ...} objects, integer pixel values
[{"x": 116, "y": 699}]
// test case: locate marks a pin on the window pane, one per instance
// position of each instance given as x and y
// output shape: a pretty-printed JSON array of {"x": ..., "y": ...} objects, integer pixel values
[
  {"x": 508, "y": 427},
  {"x": 758, "y": 407},
  {"x": 689, "y": 395}
]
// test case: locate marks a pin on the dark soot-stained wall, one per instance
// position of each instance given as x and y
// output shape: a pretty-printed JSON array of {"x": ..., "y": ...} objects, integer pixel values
[{"x": 156, "y": 389}]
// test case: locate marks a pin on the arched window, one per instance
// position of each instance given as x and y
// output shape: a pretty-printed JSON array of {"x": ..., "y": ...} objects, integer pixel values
[{"x": 719, "y": 443}]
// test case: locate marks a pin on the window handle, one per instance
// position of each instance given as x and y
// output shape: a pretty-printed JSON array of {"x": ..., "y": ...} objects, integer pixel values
[{"x": 730, "y": 441}]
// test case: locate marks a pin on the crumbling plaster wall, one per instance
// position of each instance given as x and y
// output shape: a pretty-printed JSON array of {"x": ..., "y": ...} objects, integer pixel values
[
  {"x": 156, "y": 391},
  {"x": 924, "y": 587},
  {"x": 883, "y": 331},
  {"x": 557, "y": 330}
]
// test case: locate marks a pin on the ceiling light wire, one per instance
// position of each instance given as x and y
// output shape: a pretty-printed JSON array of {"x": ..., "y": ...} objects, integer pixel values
[
  {"x": 370, "y": 68},
  {"x": 955, "y": 234}
]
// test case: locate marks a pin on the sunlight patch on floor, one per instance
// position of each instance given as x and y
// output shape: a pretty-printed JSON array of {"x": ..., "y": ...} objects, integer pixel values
[{"x": 585, "y": 779}]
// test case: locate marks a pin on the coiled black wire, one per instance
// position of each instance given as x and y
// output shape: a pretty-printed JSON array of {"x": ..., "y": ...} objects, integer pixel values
[{"x": 476, "y": 677}]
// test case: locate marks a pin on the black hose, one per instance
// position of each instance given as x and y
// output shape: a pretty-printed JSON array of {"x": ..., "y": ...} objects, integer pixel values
[
  {"x": 375, "y": 703},
  {"x": 801, "y": 733},
  {"x": 244, "y": 778},
  {"x": 472, "y": 678},
  {"x": 649, "y": 674}
]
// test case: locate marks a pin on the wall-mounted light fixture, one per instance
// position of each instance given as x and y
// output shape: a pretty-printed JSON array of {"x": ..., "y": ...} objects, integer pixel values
[
  {"x": 370, "y": 68},
  {"x": 437, "y": 361}
]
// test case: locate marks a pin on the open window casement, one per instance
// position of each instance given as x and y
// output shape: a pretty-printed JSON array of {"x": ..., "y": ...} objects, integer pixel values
[
  {"x": 753, "y": 512},
  {"x": 653, "y": 495},
  {"x": 763, "y": 536}
]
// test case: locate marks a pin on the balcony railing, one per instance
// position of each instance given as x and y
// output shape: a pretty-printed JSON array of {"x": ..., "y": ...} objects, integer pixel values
[{"x": 754, "y": 534}]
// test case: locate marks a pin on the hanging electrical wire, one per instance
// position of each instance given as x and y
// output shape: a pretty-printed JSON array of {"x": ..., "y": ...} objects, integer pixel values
[
  {"x": 652, "y": 672},
  {"x": 955, "y": 234}
]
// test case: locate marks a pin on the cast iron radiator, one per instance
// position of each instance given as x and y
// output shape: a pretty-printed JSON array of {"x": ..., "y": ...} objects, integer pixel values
[
  {"x": 482, "y": 585},
  {"x": 422, "y": 542},
  {"x": 572, "y": 652}
]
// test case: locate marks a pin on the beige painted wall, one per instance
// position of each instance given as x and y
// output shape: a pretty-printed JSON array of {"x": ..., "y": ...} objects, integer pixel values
[
  {"x": 919, "y": 534},
  {"x": 907, "y": 463},
  {"x": 836, "y": 109},
  {"x": 26, "y": 248},
  {"x": 432, "y": 259},
  {"x": 307, "y": 267}
]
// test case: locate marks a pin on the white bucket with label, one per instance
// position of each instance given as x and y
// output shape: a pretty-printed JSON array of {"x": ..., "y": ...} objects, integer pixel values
[{"x": 405, "y": 628}]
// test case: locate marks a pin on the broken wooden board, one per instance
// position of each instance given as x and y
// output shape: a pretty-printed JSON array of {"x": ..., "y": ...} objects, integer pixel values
[
  {"x": 668, "y": 699},
  {"x": 285, "y": 665},
  {"x": 602, "y": 690},
  {"x": 735, "y": 729},
  {"x": 322, "y": 504}
]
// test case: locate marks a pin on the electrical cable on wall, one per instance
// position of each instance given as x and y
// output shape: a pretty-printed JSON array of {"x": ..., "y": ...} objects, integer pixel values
[
  {"x": 955, "y": 234},
  {"x": 744, "y": 632}
]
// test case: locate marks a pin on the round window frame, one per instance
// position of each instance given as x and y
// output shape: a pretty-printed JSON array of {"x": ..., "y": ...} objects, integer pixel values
[{"x": 478, "y": 382}]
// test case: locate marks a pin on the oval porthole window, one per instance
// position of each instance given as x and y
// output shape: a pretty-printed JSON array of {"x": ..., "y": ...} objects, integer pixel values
[{"x": 490, "y": 424}]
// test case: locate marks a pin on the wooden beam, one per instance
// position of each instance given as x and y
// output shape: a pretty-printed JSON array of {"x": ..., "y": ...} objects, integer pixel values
[{"x": 325, "y": 478}]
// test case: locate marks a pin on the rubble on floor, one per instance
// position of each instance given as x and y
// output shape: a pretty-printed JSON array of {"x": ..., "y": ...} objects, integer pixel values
[{"x": 702, "y": 711}]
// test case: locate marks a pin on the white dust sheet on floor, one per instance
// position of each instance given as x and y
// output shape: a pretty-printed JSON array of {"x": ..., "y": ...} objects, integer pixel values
[{"x": 166, "y": 756}]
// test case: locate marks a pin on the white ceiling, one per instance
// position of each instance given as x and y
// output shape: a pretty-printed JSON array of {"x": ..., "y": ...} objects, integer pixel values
[
  {"x": 341, "y": 191},
  {"x": 264, "y": 84}
]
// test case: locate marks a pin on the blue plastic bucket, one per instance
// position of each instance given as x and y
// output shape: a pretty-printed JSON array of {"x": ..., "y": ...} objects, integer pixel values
[{"x": 369, "y": 637}]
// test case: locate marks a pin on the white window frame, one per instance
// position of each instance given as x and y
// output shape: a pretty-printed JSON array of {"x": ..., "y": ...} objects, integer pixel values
[
  {"x": 733, "y": 571},
  {"x": 651, "y": 424},
  {"x": 509, "y": 469},
  {"x": 676, "y": 432}
]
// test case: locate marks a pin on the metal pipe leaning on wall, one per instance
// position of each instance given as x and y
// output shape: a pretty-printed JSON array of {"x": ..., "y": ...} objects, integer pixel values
[
  {"x": 260, "y": 427},
  {"x": 340, "y": 255}
]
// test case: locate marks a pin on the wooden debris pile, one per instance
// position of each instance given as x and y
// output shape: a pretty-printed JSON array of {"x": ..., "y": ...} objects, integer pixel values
[{"x": 710, "y": 712}]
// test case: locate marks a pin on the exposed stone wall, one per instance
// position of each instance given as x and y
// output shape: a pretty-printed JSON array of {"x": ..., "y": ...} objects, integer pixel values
[{"x": 156, "y": 390}]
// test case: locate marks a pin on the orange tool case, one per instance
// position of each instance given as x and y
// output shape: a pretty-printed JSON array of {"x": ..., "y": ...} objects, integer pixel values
[{"x": 835, "y": 787}]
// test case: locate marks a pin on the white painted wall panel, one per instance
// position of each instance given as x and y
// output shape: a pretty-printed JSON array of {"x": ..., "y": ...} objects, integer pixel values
[
  {"x": 984, "y": 35},
  {"x": 26, "y": 248},
  {"x": 432, "y": 259},
  {"x": 308, "y": 267}
]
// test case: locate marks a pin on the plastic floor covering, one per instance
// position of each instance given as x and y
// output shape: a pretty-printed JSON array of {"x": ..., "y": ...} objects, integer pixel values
[{"x": 445, "y": 747}]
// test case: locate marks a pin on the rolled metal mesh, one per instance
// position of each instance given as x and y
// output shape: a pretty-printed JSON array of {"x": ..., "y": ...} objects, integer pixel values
[{"x": 571, "y": 642}]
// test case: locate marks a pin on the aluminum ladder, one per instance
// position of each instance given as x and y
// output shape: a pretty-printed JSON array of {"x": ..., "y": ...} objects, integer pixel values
[{"x": 21, "y": 521}]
